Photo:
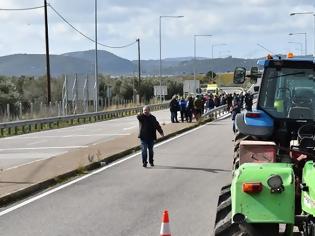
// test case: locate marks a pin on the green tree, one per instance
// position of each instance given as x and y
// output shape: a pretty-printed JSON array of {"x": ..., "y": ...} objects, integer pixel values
[
  {"x": 210, "y": 77},
  {"x": 34, "y": 89},
  {"x": 116, "y": 88},
  {"x": 146, "y": 89},
  {"x": 174, "y": 87},
  {"x": 8, "y": 95},
  {"x": 126, "y": 89}
]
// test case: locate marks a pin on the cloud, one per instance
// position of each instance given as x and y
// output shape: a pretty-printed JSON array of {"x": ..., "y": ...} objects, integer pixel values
[{"x": 239, "y": 23}]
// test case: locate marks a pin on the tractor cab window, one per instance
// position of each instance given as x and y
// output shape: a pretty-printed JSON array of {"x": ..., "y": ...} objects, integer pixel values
[{"x": 288, "y": 93}]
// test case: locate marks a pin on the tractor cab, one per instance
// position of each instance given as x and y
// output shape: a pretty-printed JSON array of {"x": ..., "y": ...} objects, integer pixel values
[
  {"x": 288, "y": 89},
  {"x": 286, "y": 99}
]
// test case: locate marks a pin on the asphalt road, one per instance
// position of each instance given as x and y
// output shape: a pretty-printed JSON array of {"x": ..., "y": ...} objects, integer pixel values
[
  {"x": 23, "y": 149},
  {"x": 127, "y": 199}
]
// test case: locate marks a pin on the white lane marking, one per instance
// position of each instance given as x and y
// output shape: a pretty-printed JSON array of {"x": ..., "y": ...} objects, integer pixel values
[
  {"x": 89, "y": 175},
  {"x": 40, "y": 148},
  {"x": 37, "y": 142},
  {"x": 132, "y": 127},
  {"x": 70, "y": 136},
  {"x": 28, "y": 163}
]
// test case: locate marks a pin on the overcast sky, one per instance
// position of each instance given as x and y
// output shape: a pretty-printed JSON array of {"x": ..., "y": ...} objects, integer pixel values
[{"x": 240, "y": 24}]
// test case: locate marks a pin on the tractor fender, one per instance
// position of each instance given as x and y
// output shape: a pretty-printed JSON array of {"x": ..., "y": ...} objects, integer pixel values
[
  {"x": 265, "y": 206},
  {"x": 258, "y": 127},
  {"x": 308, "y": 188}
]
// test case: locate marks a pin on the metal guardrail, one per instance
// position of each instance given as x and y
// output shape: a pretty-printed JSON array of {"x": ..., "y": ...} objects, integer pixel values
[
  {"x": 216, "y": 112},
  {"x": 27, "y": 126}
]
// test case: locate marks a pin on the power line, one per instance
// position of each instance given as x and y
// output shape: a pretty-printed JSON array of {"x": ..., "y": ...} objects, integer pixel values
[
  {"x": 86, "y": 36},
  {"x": 21, "y": 9}
]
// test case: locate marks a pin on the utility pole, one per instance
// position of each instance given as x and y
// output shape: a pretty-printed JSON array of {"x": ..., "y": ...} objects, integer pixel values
[
  {"x": 47, "y": 54},
  {"x": 160, "y": 68},
  {"x": 96, "y": 62}
]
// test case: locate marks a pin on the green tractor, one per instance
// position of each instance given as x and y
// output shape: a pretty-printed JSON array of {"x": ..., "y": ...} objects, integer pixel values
[{"x": 273, "y": 185}]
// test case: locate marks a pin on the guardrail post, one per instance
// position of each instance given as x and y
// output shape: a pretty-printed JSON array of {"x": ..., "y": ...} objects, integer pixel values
[
  {"x": 41, "y": 107},
  {"x": 20, "y": 111},
  {"x": 32, "y": 110},
  {"x": 58, "y": 107},
  {"x": 50, "y": 109},
  {"x": 8, "y": 112}
]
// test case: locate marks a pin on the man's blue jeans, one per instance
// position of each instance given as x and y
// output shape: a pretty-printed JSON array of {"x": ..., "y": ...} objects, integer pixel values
[{"x": 147, "y": 145}]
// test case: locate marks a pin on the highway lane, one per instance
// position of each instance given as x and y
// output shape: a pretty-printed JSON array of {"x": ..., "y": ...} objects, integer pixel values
[
  {"x": 127, "y": 199},
  {"x": 23, "y": 149}
]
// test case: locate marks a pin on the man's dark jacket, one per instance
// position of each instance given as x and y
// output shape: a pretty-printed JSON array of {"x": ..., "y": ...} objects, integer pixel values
[
  {"x": 148, "y": 125},
  {"x": 174, "y": 105}
]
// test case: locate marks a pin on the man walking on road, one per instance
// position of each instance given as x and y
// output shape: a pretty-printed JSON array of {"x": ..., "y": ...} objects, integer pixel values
[{"x": 148, "y": 125}]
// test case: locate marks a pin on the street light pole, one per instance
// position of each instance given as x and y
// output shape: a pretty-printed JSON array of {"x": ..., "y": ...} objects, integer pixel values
[
  {"x": 300, "y": 44},
  {"x": 305, "y": 39},
  {"x": 160, "y": 33},
  {"x": 224, "y": 53},
  {"x": 194, "y": 64},
  {"x": 216, "y": 45},
  {"x": 212, "y": 48},
  {"x": 307, "y": 13},
  {"x": 139, "y": 65},
  {"x": 160, "y": 59}
]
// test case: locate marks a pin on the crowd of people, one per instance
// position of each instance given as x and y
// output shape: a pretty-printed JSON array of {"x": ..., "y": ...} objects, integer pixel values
[
  {"x": 188, "y": 107},
  {"x": 191, "y": 106}
]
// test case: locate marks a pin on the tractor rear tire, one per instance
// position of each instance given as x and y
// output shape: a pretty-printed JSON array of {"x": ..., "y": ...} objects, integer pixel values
[
  {"x": 223, "y": 221},
  {"x": 239, "y": 137}
]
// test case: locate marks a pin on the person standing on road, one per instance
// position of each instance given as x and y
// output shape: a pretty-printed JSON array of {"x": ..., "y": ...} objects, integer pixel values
[
  {"x": 198, "y": 105},
  {"x": 235, "y": 109},
  {"x": 183, "y": 104},
  {"x": 148, "y": 125},
  {"x": 189, "y": 109},
  {"x": 248, "y": 101},
  {"x": 174, "y": 107},
  {"x": 210, "y": 102}
]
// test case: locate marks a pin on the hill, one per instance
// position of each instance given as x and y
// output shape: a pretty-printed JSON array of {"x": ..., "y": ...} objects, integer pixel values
[
  {"x": 108, "y": 63},
  {"x": 186, "y": 67},
  {"x": 83, "y": 62}
]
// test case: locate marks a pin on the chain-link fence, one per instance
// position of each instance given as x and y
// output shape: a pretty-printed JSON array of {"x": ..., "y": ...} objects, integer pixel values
[
  {"x": 76, "y": 96},
  {"x": 34, "y": 110}
]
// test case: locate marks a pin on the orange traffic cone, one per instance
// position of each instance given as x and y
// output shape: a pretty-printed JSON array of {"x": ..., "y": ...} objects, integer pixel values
[{"x": 165, "y": 227}]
